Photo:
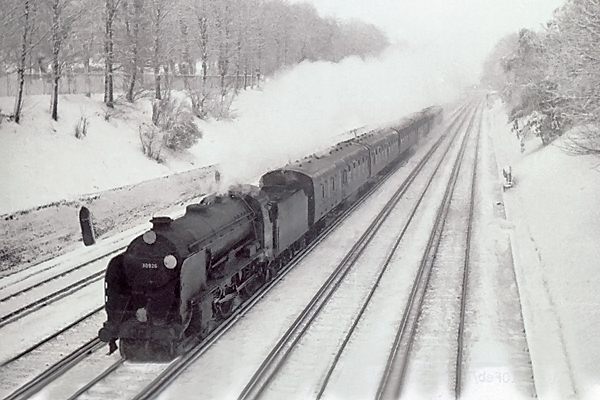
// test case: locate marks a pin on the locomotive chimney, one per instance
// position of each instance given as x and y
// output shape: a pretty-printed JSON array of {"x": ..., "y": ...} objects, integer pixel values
[{"x": 159, "y": 223}]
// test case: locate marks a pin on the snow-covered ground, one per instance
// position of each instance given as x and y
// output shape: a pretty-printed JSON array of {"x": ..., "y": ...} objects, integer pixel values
[
  {"x": 552, "y": 212},
  {"x": 554, "y": 209},
  {"x": 292, "y": 115}
]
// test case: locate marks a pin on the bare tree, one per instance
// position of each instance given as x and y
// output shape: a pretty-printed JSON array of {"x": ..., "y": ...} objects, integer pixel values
[
  {"x": 229, "y": 39},
  {"x": 88, "y": 39},
  {"x": 160, "y": 10},
  {"x": 112, "y": 7},
  {"x": 11, "y": 39},
  {"x": 133, "y": 34},
  {"x": 188, "y": 65},
  {"x": 223, "y": 25},
  {"x": 201, "y": 14},
  {"x": 57, "y": 38},
  {"x": 22, "y": 60},
  {"x": 64, "y": 13}
]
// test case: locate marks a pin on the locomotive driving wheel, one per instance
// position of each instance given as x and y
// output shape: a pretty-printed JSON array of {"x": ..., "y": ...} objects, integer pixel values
[
  {"x": 248, "y": 288},
  {"x": 224, "y": 309},
  {"x": 269, "y": 274}
]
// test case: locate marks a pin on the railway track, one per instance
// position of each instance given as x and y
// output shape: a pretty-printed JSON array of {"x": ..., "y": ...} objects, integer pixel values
[
  {"x": 393, "y": 380},
  {"x": 165, "y": 373},
  {"x": 98, "y": 387},
  {"x": 458, "y": 381},
  {"x": 282, "y": 352},
  {"x": 15, "y": 312},
  {"x": 25, "y": 374},
  {"x": 175, "y": 369},
  {"x": 444, "y": 330}
]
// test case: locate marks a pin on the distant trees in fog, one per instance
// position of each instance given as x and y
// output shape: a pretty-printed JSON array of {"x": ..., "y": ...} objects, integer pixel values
[
  {"x": 550, "y": 80},
  {"x": 215, "y": 47}
]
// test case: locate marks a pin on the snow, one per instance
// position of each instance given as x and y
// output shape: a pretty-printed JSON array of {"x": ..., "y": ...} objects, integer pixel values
[
  {"x": 554, "y": 206},
  {"x": 301, "y": 110},
  {"x": 552, "y": 212}
]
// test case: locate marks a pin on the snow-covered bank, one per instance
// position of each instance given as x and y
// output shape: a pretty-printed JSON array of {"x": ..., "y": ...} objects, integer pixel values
[
  {"x": 294, "y": 114},
  {"x": 554, "y": 206},
  {"x": 32, "y": 236}
]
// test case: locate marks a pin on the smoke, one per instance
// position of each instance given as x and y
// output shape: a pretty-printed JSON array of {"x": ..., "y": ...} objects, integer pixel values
[{"x": 310, "y": 107}]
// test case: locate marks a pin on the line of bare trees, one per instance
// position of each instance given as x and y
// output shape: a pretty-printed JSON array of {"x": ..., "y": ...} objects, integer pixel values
[{"x": 185, "y": 37}]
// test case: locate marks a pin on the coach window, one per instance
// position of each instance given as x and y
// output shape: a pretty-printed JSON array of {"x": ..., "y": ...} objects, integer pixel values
[{"x": 322, "y": 191}]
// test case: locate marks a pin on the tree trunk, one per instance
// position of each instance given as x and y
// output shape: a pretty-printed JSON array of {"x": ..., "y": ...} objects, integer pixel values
[
  {"x": 55, "y": 78},
  {"x": 157, "y": 89},
  {"x": 22, "y": 64},
  {"x": 157, "y": 22},
  {"x": 108, "y": 54},
  {"x": 56, "y": 43},
  {"x": 88, "y": 78},
  {"x": 202, "y": 22},
  {"x": 137, "y": 7}
]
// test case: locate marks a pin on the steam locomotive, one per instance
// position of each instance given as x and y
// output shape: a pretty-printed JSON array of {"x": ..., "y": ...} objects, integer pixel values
[{"x": 175, "y": 283}]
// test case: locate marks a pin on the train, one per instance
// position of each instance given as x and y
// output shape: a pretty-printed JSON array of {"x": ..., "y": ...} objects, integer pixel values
[{"x": 179, "y": 280}]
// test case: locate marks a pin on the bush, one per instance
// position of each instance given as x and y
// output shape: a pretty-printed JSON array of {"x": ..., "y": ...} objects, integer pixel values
[
  {"x": 213, "y": 104},
  {"x": 81, "y": 127},
  {"x": 151, "y": 141},
  {"x": 176, "y": 120},
  {"x": 182, "y": 135}
]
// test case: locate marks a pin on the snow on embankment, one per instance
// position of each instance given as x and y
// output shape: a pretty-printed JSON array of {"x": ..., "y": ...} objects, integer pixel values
[
  {"x": 31, "y": 236},
  {"x": 42, "y": 162},
  {"x": 46, "y": 174},
  {"x": 554, "y": 206}
]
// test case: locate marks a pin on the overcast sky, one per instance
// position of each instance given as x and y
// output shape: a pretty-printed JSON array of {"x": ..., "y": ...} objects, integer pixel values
[{"x": 462, "y": 31}]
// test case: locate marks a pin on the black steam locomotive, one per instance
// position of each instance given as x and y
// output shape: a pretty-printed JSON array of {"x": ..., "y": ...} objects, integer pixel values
[{"x": 179, "y": 280}]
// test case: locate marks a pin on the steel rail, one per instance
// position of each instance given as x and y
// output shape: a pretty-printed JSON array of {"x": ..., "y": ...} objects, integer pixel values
[
  {"x": 281, "y": 352},
  {"x": 49, "y": 299},
  {"x": 58, "y": 276},
  {"x": 97, "y": 379},
  {"x": 382, "y": 271},
  {"x": 466, "y": 269},
  {"x": 49, "y": 338},
  {"x": 56, "y": 370},
  {"x": 395, "y": 368}
]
